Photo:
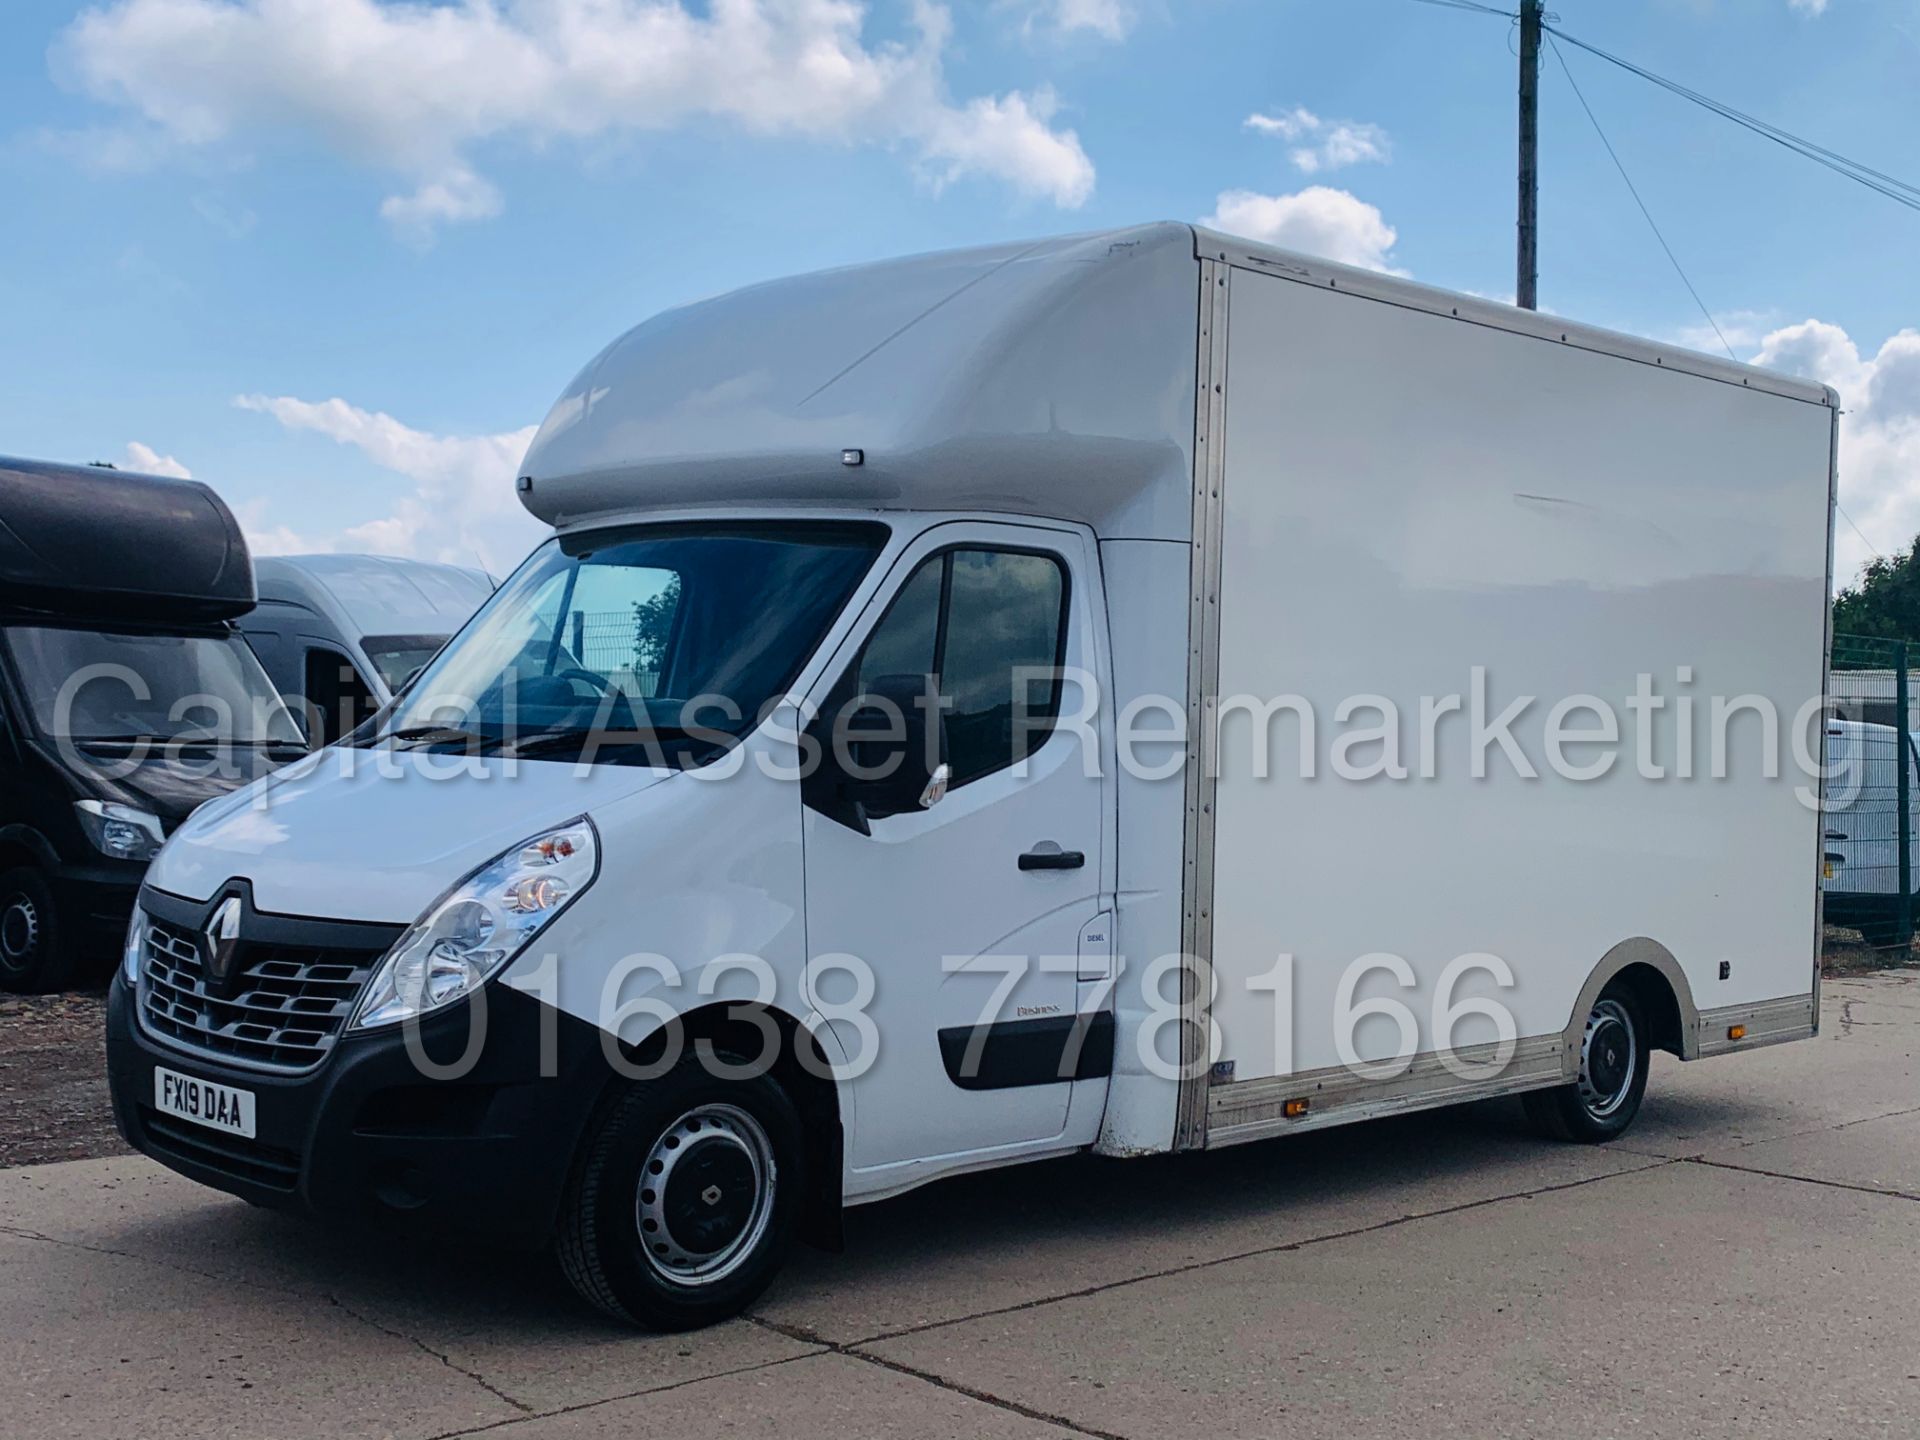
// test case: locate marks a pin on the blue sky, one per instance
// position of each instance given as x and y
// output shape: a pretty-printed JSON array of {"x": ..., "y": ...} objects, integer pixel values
[{"x": 336, "y": 256}]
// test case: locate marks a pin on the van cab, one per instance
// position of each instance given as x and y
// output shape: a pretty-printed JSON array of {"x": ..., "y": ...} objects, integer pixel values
[{"x": 127, "y": 698}]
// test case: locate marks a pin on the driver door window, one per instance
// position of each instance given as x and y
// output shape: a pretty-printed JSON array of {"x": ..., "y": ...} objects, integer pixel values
[{"x": 987, "y": 629}]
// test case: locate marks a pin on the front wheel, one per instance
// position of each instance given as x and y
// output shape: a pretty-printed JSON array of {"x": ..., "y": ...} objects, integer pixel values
[
  {"x": 685, "y": 1203},
  {"x": 34, "y": 956},
  {"x": 1612, "y": 1081}
]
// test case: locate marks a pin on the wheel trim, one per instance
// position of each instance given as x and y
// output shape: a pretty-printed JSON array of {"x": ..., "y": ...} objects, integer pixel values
[
  {"x": 1609, "y": 1059},
  {"x": 705, "y": 1195},
  {"x": 19, "y": 930}
]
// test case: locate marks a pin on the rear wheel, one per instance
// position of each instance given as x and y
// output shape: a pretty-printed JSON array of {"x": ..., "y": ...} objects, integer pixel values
[
  {"x": 685, "y": 1204},
  {"x": 34, "y": 956},
  {"x": 1612, "y": 1080}
]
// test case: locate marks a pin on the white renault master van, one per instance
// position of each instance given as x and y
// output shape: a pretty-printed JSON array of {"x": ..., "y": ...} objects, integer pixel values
[{"x": 937, "y": 736}]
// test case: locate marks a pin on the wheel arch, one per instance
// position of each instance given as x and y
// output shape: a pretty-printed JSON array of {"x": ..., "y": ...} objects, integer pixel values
[
  {"x": 24, "y": 845},
  {"x": 1658, "y": 983},
  {"x": 809, "y": 1083}
]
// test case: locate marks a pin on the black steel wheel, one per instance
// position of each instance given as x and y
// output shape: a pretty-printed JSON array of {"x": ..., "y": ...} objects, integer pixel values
[
  {"x": 684, "y": 1204},
  {"x": 34, "y": 957},
  {"x": 1612, "y": 1079}
]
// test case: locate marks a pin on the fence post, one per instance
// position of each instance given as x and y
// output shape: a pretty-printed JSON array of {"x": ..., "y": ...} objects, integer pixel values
[
  {"x": 580, "y": 636},
  {"x": 1903, "y": 748}
]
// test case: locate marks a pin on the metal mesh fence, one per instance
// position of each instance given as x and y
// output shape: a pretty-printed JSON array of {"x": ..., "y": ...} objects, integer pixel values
[
  {"x": 1868, "y": 866},
  {"x": 612, "y": 643}
]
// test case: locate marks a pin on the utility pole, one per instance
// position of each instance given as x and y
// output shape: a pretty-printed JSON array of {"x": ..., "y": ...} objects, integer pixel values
[{"x": 1526, "y": 282}]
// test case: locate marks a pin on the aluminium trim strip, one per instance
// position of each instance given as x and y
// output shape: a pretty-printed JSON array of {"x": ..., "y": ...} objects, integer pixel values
[
  {"x": 1826, "y": 699},
  {"x": 1252, "y": 1109},
  {"x": 1336, "y": 1095},
  {"x": 1768, "y": 1022},
  {"x": 1547, "y": 328},
  {"x": 1203, "y": 687}
]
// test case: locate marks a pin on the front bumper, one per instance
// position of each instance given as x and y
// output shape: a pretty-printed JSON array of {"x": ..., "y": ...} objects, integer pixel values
[
  {"x": 368, "y": 1134},
  {"x": 95, "y": 900}
]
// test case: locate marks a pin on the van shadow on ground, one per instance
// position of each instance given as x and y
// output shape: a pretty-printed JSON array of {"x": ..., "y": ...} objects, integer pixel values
[{"x": 1198, "y": 1206}]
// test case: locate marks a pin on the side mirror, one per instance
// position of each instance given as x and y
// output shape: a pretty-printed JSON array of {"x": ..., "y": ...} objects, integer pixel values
[{"x": 889, "y": 748}]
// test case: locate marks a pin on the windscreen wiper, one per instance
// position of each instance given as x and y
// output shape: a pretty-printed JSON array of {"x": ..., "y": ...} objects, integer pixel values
[
  {"x": 603, "y": 736},
  {"x": 435, "y": 735}
]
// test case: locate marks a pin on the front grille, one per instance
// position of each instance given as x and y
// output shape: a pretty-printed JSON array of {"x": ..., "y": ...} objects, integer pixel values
[
  {"x": 286, "y": 1011},
  {"x": 248, "y": 1160}
]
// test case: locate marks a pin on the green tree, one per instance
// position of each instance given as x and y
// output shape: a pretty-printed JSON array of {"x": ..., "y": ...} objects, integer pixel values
[
  {"x": 1885, "y": 601},
  {"x": 653, "y": 625}
]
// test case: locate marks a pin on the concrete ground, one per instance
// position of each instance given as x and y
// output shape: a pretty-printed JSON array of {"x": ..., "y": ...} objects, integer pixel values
[{"x": 1746, "y": 1264}]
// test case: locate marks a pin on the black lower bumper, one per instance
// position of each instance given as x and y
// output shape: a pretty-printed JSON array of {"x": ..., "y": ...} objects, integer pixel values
[
  {"x": 368, "y": 1133},
  {"x": 96, "y": 901}
]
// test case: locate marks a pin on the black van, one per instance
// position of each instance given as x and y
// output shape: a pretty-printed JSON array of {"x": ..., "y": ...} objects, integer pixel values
[{"x": 126, "y": 699}]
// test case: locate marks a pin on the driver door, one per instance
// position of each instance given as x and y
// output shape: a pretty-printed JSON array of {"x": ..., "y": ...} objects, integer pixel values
[{"x": 968, "y": 913}]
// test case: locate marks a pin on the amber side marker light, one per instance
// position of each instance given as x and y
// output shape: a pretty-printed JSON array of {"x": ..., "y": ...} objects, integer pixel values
[
  {"x": 1293, "y": 1109},
  {"x": 1736, "y": 1032}
]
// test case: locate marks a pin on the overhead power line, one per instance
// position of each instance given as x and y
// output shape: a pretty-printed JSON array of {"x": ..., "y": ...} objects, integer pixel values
[
  {"x": 1877, "y": 180},
  {"x": 1634, "y": 191},
  {"x": 1861, "y": 173},
  {"x": 1469, "y": 5},
  {"x": 1857, "y": 530}
]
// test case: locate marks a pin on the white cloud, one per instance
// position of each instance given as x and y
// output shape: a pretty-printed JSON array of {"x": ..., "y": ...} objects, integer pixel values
[
  {"x": 461, "y": 506},
  {"x": 236, "y": 223},
  {"x": 1109, "y": 19},
  {"x": 1009, "y": 135},
  {"x": 459, "y": 194},
  {"x": 1318, "y": 220},
  {"x": 1809, "y": 7},
  {"x": 266, "y": 539},
  {"x": 1879, "y": 430},
  {"x": 149, "y": 461},
  {"x": 1744, "y": 330},
  {"x": 1288, "y": 125},
  {"x": 1330, "y": 144},
  {"x": 414, "y": 88}
]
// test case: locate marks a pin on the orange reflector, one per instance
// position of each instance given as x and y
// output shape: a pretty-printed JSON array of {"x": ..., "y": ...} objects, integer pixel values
[
  {"x": 1737, "y": 1032},
  {"x": 1293, "y": 1109}
]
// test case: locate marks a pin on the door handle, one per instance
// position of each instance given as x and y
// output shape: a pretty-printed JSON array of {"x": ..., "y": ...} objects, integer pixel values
[{"x": 1052, "y": 859}]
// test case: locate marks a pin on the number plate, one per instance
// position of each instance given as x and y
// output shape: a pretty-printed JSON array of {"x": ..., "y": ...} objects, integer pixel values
[{"x": 218, "y": 1107}]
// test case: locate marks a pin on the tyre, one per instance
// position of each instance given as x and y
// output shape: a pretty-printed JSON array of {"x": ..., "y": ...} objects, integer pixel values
[
  {"x": 1614, "y": 1058},
  {"x": 685, "y": 1201},
  {"x": 34, "y": 957}
]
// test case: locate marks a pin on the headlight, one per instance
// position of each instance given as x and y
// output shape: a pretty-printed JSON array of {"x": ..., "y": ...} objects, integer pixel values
[
  {"x": 120, "y": 830},
  {"x": 472, "y": 931},
  {"x": 135, "y": 954}
]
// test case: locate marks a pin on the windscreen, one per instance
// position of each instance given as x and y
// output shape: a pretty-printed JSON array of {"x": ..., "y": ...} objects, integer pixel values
[
  {"x": 99, "y": 685},
  {"x": 640, "y": 644},
  {"x": 396, "y": 657}
]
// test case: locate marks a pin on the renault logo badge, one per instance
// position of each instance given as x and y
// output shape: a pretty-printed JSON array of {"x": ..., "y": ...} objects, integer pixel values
[{"x": 223, "y": 940}]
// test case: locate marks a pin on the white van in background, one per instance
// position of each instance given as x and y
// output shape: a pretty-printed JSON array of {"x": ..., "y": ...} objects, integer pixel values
[
  {"x": 1860, "y": 860},
  {"x": 343, "y": 632}
]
